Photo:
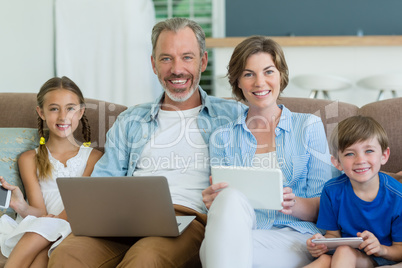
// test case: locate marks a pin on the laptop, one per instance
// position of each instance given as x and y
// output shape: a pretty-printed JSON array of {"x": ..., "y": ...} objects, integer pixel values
[
  {"x": 120, "y": 206},
  {"x": 262, "y": 187}
]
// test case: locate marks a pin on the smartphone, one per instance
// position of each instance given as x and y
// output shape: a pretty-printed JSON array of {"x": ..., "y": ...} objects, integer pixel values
[{"x": 5, "y": 196}]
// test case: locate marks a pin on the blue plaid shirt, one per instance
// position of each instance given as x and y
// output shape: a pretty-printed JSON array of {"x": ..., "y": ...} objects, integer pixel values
[
  {"x": 134, "y": 128},
  {"x": 302, "y": 153}
]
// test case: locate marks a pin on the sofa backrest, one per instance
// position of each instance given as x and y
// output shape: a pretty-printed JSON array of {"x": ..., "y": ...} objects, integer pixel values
[
  {"x": 331, "y": 112},
  {"x": 18, "y": 110},
  {"x": 387, "y": 112}
]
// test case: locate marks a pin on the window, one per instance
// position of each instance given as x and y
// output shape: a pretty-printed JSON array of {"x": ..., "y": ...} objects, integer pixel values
[{"x": 201, "y": 12}]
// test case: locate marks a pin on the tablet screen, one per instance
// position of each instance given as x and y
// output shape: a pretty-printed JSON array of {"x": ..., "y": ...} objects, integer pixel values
[{"x": 262, "y": 187}]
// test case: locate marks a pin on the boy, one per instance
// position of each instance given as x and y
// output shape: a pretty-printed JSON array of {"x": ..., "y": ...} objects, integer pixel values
[{"x": 362, "y": 202}]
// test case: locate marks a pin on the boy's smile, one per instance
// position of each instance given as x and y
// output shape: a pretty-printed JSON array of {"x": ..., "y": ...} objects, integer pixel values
[{"x": 362, "y": 161}]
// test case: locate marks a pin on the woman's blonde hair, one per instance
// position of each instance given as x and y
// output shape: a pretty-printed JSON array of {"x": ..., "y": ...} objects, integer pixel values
[{"x": 42, "y": 157}]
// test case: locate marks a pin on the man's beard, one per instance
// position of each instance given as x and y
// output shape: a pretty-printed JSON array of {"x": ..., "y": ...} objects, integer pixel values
[{"x": 193, "y": 88}]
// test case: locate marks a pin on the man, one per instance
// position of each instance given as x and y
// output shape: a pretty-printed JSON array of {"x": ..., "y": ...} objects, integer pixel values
[{"x": 168, "y": 137}]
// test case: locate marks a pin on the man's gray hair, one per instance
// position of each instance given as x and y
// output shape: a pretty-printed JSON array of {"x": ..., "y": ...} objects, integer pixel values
[{"x": 176, "y": 24}]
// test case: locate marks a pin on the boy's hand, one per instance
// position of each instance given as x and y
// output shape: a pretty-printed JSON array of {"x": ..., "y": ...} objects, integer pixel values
[
  {"x": 370, "y": 244},
  {"x": 316, "y": 250}
]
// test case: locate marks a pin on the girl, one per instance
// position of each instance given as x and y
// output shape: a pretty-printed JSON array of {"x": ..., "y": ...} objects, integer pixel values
[{"x": 61, "y": 105}]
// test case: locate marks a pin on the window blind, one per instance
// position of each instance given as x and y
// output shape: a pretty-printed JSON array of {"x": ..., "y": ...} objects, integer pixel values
[{"x": 199, "y": 11}]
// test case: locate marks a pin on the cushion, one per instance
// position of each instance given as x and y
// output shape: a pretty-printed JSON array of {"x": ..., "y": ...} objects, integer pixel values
[{"x": 13, "y": 142}]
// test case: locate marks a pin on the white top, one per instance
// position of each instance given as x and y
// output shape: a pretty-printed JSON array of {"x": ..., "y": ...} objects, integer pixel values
[
  {"x": 178, "y": 152},
  {"x": 52, "y": 229},
  {"x": 75, "y": 168}
]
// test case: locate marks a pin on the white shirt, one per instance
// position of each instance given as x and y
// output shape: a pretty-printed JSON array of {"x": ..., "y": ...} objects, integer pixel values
[{"x": 178, "y": 152}]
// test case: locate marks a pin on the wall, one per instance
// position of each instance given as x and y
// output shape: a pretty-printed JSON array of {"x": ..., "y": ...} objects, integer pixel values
[
  {"x": 104, "y": 46},
  {"x": 313, "y": 17},
  {"x": 319, "y": 18},
  {"x": 26, "y": 44},
  {"x": 351, "y": 62}
]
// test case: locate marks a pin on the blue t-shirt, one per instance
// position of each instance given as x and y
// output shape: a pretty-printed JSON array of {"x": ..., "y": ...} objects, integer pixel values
[{"x": 341, "y": 209}]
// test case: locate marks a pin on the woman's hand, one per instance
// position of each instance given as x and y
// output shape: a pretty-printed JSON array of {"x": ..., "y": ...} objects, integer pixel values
[
  {"x": 17, "y": 201},
  {"x": 289, "y": 201},
  {"x": 210, "y": 193},
  {"x": 316, "y": 250}
]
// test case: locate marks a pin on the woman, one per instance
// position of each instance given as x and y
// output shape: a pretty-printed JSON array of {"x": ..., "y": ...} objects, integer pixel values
[{"x": 268, "y": 135}]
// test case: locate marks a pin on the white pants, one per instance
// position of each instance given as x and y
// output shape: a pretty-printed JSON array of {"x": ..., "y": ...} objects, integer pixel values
[{"x": 232, "y": 240}]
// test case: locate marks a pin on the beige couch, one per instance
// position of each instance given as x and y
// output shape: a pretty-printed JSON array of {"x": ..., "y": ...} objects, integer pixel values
[{"x": 17, "y": 110}]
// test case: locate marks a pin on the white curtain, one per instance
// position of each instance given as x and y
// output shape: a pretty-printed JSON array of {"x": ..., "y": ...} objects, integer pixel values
[
  {"x": 26, "y": 45},
  {"x": 105, "y": 47}
]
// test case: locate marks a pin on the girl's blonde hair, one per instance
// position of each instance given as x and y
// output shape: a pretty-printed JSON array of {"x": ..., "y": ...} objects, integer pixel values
[{"x": 42, "y": 157}]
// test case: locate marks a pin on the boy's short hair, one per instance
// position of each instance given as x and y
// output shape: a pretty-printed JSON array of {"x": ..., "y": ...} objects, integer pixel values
[{"x": 356, "y": 129}]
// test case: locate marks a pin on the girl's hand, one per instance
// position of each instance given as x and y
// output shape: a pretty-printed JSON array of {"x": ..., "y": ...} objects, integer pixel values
[
  {"x": 17, "y": 201},
  {"x": 371, "y": 245},
  {"x": 210, "y": 193},
  {"x": 62, "y": 215},
  {"x": 316, "y": 250},
  {"x": 289, "y": 201}
]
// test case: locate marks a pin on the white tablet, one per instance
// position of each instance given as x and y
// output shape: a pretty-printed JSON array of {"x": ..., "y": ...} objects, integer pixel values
[
  {"x": 262, "y": 187},
  {"x": 333, "y": 243},
  {"x": 5, "y": 196}
]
